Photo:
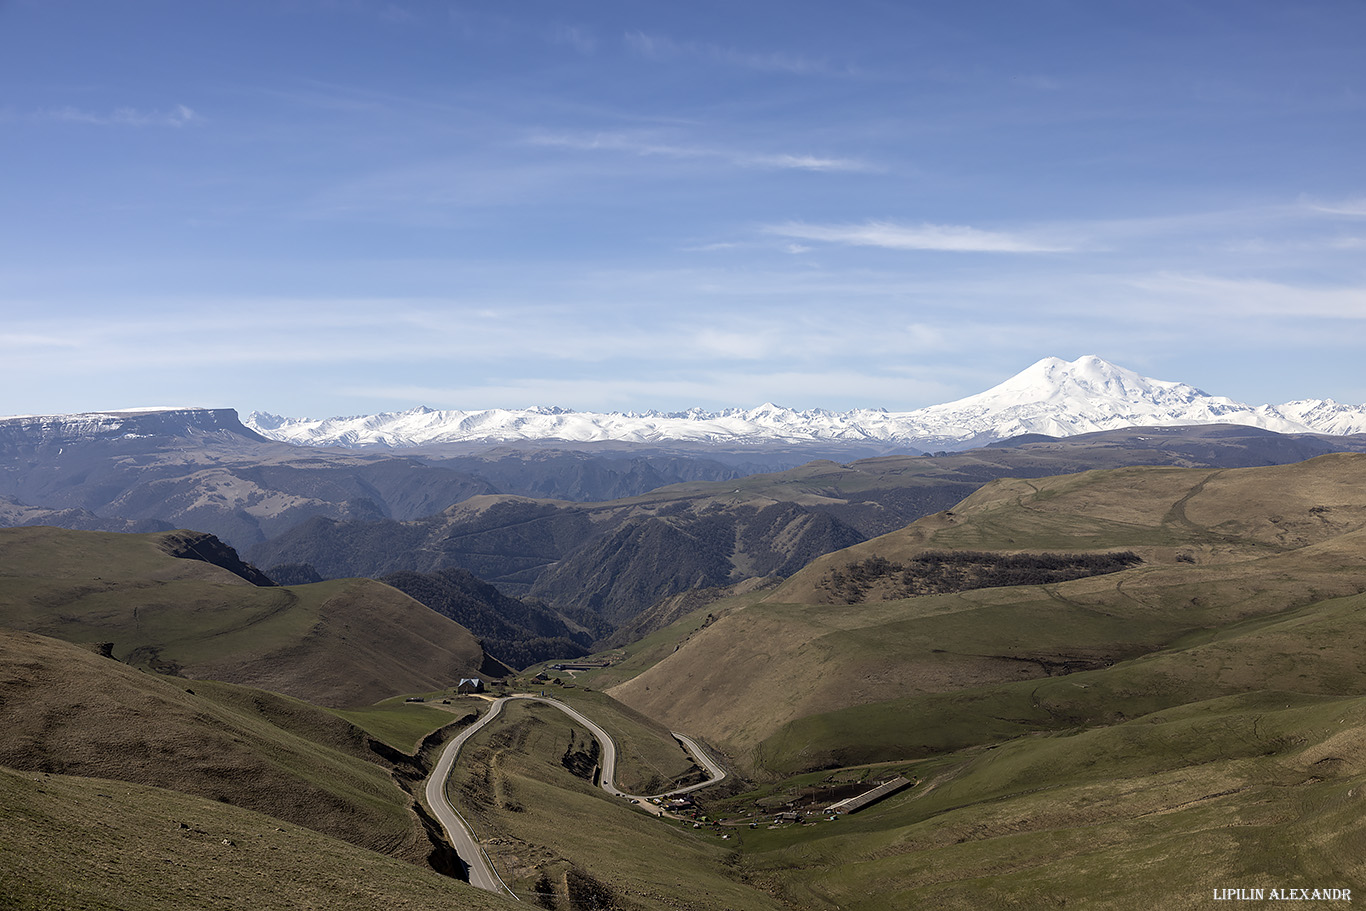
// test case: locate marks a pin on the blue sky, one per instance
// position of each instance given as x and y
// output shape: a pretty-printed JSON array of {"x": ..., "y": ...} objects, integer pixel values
[{"x": 319, "y": 207}]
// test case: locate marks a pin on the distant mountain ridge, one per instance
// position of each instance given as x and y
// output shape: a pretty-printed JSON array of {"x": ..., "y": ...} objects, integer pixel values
[
  {"x": 126, "y": 424},
  {"x": 145, "y": 470},
  {"x": 1054, "y": 397}
]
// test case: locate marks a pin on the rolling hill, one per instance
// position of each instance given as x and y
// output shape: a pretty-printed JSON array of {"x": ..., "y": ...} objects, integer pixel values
[
  {"x": 91, "y": 844},
  {"x": 1168, "y": 810},
  {"x": 338, "y": 643},
  {"x": 117, "y": 695},
  {"x": 800, "y": 678},
  {"x": 67, "y": 710},
  {"x": 125, "y": 789},
  {"x": 1135, "y": 738}
]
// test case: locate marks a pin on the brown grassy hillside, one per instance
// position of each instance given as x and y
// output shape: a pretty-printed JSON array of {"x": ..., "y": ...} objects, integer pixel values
[
  {"x": 67, "y": 710},
  {"x": 80, "y": 844},
  {"x": 1220, "y": 548},
  {"x": 1164, "y": 514},
  {"x": 340, "y": 643}
]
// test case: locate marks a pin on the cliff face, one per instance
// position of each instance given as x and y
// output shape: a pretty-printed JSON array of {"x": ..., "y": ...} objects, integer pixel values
[
  {"x": 37, "y": 431},
  {"x": 194, "y": 545}
]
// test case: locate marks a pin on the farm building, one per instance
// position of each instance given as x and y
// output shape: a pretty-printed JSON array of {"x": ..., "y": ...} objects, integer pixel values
[{"x": 886, "y": 789}]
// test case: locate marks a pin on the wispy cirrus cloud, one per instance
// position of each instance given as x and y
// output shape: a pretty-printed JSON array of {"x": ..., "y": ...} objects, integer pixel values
[
  {"x": 805, "y": 162},
  {"x": 659, "y": 47},
  {"x": 1355, "y": 208},
  {"x": 636, "y": 145},
  {"x": 893, "y": 236},
  {"x": 178, "y": 116}
]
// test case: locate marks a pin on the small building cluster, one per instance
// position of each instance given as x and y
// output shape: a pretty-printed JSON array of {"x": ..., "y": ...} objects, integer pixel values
[{"x": 678, "y": 804}]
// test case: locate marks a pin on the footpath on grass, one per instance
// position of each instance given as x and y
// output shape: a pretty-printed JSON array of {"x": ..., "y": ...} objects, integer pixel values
[{"x": 480, "y": 871}]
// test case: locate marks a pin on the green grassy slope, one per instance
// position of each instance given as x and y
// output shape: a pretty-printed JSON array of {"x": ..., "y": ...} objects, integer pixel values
[
  {"x": 341, "y": 643},
  {"x": 1314, "y": 649},
  {"x": 405, "y": 725},
  {"x": 1262, "y": 790}
]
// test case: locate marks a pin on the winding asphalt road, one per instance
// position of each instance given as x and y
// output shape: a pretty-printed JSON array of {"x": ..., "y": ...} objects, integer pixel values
[
  {"x": 480, "y": 870},
  {"x": 714, "y": 772},
  {"x": 477, "y": 867}
]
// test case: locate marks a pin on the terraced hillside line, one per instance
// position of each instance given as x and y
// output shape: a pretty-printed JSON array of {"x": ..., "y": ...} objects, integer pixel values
[{"x": 479, "y": 869}]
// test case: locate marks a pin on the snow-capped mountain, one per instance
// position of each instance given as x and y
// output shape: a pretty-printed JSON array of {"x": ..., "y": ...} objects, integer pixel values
[{"x": 1053, "y": 397}]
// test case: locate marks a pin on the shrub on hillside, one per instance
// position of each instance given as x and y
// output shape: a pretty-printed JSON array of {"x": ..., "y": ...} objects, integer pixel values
[{"x": 942, "y": 572}]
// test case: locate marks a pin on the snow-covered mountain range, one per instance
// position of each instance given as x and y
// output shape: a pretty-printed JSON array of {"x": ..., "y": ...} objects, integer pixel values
[{"x": 1053, "y": 397}]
